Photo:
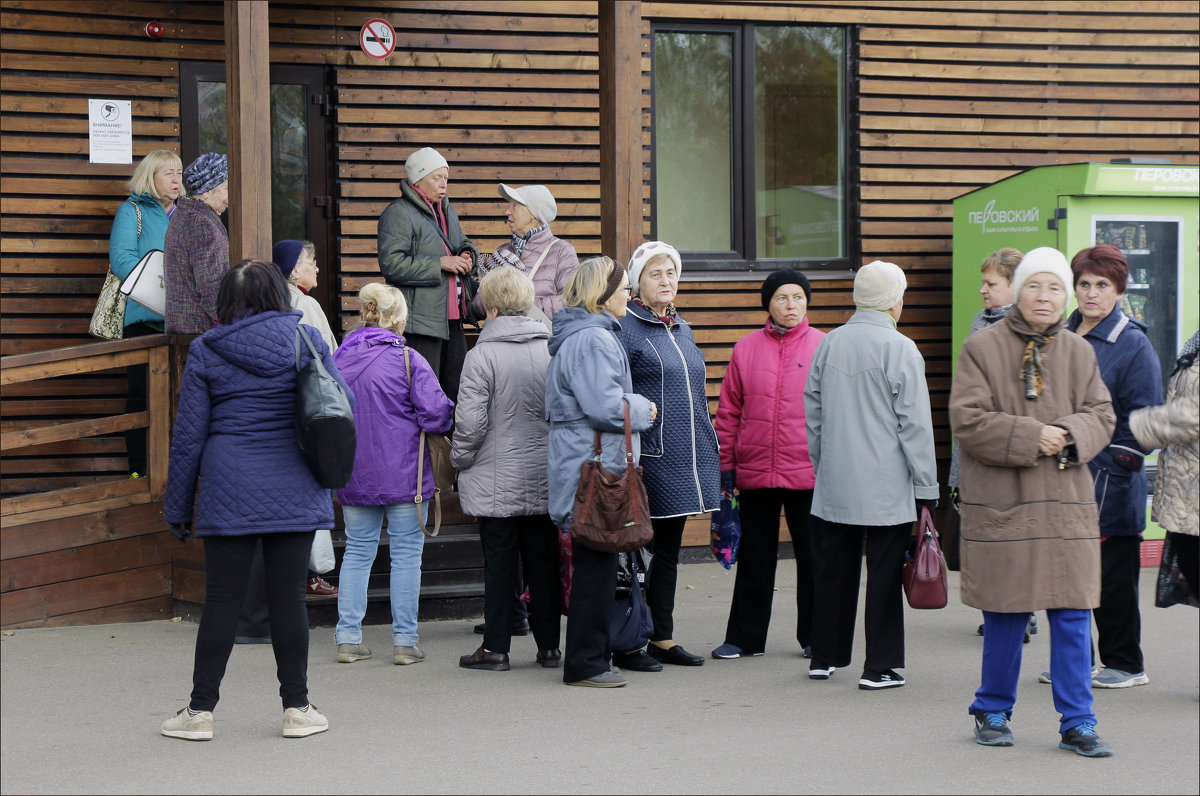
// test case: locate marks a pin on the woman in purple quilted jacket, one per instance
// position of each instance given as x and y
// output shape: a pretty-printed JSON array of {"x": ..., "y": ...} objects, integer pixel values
[
  {"x": 397, "y": 396},
  {"x": 237, "y": 478}
]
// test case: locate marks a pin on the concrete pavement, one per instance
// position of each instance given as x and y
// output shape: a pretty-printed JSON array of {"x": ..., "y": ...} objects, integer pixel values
[{"x": 80, "y": 710}]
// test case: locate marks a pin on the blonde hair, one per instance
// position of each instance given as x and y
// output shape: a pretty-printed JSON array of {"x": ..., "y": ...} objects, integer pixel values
[
  {"x": 1003, "y": 261},
  {"x": 383, "y": 306},
  {"x": 507, "y": 291},
  {"x": 142, "y": 180},
  {"x": 306, "y": 247},
  {"x": 588, "y": 283}
]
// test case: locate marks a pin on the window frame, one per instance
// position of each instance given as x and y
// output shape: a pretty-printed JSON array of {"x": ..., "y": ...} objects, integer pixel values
[{"x": 743, "y": 256}]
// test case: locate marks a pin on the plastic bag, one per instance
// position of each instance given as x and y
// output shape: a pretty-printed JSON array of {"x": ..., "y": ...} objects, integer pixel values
[
  {"x": 726, "y": 531},
  {"x": 320, "y": 559}
]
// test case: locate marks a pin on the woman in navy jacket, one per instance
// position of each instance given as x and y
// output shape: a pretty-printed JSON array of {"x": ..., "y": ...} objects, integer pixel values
[
  {"x": 1130, "y": 369},
  {"x": 680, "y": 465},
  {"x": 237, "y": 477}
]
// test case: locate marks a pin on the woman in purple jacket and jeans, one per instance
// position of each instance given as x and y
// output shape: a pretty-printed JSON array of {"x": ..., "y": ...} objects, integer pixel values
[{"x": 397, "y": 396}]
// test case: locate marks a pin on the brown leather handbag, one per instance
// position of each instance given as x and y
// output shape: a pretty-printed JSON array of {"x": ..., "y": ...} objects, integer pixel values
[{"x": 612, "y": 512}]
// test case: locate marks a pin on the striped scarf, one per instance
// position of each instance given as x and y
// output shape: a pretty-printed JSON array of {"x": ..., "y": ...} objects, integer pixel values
[{"x": 519, "y": 241}]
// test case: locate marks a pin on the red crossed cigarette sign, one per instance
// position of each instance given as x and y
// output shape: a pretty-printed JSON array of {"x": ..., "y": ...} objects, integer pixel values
[{"x": 377, "y": 39}]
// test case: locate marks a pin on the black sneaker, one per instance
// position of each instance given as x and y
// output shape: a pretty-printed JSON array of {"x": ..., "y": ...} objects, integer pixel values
[
  {"x": 871, "y": 681},
  {"x": 991, "y": 729},
  {"x": 817, "y": 670},
  {"x": 1083, "y": 740}
]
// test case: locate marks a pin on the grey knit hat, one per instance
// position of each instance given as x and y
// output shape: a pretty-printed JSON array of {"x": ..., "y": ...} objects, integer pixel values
[{"x": 205, "y": 173}]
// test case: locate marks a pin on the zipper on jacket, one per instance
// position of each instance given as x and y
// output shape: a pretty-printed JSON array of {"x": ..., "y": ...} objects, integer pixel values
[{"x": 692, "y": 407}]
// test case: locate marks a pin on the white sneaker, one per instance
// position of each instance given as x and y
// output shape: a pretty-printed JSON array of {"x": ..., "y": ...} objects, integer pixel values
[
  {"x": 299, "y": 723},
  {"x": 188, "y": 727},
  {"x": 1115, "y": 678},
  {"x": 403, "y": 656}
]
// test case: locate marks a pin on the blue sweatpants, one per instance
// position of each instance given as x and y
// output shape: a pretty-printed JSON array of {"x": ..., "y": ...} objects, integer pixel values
[{"x": 1070, "y": 664}]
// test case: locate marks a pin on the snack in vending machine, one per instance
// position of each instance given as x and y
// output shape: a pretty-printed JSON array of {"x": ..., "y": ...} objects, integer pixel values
[
  {"x": 1137, "y": 305},
  {"x": 1141, "y": 236},
  {"x": 1130, "y": 237}
]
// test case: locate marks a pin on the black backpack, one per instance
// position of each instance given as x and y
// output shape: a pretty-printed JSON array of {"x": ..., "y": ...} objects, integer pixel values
[{"x": 324, "y": 420}]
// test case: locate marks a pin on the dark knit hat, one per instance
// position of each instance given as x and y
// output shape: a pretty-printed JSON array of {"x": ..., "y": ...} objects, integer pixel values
[
  {"x": 205, "y": 173},
  {"x": 286, "y": 254},
  {"x": 614, "y": 281},
  {"x": 784, "y": 276}
]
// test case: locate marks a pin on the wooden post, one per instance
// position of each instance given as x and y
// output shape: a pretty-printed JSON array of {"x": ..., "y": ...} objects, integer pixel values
[
  {"x": 620, "y": 128},
  {"x": 248, "y": 119},
  {"x": 158, "y": 435}
]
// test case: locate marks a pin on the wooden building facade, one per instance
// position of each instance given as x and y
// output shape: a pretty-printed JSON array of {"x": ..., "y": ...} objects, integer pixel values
[{"x": 936, "y": 99}]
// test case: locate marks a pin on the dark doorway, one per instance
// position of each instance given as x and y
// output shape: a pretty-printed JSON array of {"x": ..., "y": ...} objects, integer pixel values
[{"x": 302, "y": 207}]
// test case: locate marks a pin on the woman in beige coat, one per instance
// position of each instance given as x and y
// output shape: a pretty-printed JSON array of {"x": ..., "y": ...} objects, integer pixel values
[
  {"x": 1029, "y": 409},
  {"x": 500, "y": 441}
]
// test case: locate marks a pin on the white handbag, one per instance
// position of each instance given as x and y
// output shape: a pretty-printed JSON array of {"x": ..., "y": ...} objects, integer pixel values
[{"x": 145, "y": 283}]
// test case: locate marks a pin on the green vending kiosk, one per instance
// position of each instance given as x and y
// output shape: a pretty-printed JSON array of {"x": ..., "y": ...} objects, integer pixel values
[{"x": 1150, "y": 211}]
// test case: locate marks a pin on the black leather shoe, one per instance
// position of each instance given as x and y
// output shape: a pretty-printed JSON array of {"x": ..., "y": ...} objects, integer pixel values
[
  {"x": 676, "y": 655},
  {"x": 550, "y": 659},
  {"x": 519, "y": 630},
  {"x": 636, "y": 661},
  {"x": 482, "y": 659}
]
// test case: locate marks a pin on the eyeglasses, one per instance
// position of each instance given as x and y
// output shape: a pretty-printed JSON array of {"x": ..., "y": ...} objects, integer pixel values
[{"x": 628, "y": 290}]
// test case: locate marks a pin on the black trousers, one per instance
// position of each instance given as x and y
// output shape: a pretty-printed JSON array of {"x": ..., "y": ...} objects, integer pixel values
[
  {"x": 754, "y": 583},
  {"x": 837, "y": 562},
  {"x": 227, "y": 562},
  {"x": 589, "y": 615},
  {"x": 663, "y": 576},
  {"x": 255, "y": 619},
  {"x": 137, "y": 377},
  {"x": 1188, "y": 547},
  {"x": 1118, "y": 619},
  {"x": 444, "y": 356},
  {"x": 534, "y": 540}
]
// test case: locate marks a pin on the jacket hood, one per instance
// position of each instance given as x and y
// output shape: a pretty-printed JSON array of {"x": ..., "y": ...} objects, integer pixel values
[
  {"x": 361, "y": 347},
  {"x": 512, "y": 329},
  {"x": 263, "y": 344},
  {"x": 570, "y": 320}
]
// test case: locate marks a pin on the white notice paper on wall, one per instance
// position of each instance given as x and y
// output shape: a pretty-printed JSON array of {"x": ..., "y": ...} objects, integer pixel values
[{"x": 110, "y": 131}]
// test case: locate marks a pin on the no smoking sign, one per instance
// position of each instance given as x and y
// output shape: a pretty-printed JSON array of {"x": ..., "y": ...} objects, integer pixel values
[{"x": 377, "y": 39}]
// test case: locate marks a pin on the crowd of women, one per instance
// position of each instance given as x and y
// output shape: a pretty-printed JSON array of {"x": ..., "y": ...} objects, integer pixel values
[{"x": 1052, "y": 415}]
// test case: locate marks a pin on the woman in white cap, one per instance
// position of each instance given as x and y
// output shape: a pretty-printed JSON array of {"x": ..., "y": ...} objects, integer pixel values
[
  {"x": 1029, "y": 409},
  {"x": 680, "y": 466},
  {"x": 870, "y": 440},
  {"x": 533, "y": 249},
  {"x": 423, "y": 251}
]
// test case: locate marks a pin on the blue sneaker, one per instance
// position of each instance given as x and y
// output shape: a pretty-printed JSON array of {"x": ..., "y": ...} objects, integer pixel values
[
  {"x": 1083, "y": 740},
  {"x": 731, "y": 651},
  {"x": 991, "y": 729}
]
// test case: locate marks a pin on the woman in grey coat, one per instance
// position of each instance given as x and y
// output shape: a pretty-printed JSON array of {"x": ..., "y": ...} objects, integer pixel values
[
  {"x": 587, "y": 389},
  {"x": 500, "y": 438}
]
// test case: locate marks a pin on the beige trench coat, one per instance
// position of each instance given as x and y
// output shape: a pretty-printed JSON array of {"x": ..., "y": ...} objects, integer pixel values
[{"x": 1030, "y": 531}]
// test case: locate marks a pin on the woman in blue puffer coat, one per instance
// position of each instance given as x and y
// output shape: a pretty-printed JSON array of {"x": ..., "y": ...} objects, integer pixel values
[
  {"x": 237, "y": 478},
  {"x": 680, "y": 464}
]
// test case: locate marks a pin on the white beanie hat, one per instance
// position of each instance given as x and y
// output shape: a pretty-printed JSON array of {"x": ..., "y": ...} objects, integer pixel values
[
  {"x": 422, "y": 162},
  {"x": 879, "y": 285},
  {"x": 537, "y": 198},
  {"x": 647, "y": 252},
  {"x": 1042, "y": 260}
]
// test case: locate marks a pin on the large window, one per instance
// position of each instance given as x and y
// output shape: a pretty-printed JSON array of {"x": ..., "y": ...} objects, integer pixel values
[{"x": 750, "y": 141}]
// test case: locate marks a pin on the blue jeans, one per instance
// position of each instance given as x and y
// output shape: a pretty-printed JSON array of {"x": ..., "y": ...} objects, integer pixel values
[
  {"x": 1070, "y": 664},
  {"x": 405, "y": 542}
]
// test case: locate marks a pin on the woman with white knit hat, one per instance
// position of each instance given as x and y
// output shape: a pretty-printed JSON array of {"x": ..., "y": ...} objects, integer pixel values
[
  {"x": 870, "y": 439},
  {"x": 423, "y": 251},
  {"x": 680, "y": 465},
  {"x": 1029, "y": 409}
]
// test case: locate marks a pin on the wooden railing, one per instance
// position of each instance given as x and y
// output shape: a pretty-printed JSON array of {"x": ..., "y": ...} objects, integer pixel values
[{"x": 95, "y": 551}]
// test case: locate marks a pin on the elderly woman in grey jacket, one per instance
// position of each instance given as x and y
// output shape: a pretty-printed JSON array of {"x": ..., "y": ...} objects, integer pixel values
[
  {"x": 588, "y": 387},
  {"x": 500, "y": 438}
]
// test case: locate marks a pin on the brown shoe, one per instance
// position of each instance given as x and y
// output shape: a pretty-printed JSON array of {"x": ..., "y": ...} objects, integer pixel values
[
  {"x": 482, "y": 659},
  {"x": 320, "y": 587},
  {"x": 550, "y": 659}
]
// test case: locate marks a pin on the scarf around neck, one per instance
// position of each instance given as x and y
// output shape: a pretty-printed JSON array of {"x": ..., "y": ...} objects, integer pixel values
[
  {"x": 519, "y": 241},
  {"x": 1031, "y": 371}
]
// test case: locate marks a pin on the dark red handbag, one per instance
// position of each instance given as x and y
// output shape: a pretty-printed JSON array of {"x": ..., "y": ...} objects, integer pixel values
[
  {"x": 924, "y": 574},
  {"x": 612, "y": 512}
]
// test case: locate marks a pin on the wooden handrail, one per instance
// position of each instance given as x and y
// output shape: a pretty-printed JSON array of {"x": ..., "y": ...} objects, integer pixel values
[{"x": 155, "y": 352}]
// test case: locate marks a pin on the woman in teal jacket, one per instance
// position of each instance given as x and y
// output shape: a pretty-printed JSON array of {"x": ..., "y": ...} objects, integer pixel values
[{"x": 139, "y": 227}]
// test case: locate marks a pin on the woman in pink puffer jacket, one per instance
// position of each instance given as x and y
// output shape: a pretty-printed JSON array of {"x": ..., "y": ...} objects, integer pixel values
[{"x": 764, "y": 454}]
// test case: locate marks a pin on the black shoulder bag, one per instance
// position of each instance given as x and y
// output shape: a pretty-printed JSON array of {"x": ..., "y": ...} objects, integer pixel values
[{"x": 324, "y": 420}]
